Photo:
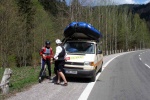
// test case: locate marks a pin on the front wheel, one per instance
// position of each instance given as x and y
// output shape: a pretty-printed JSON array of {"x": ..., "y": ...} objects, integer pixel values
[{"x": 93, "y": 77}]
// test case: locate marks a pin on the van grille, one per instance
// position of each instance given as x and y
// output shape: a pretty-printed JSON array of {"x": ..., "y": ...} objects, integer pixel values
[
  {"x": 74, "y": 63},
  {"x": 73, "y": 68}
]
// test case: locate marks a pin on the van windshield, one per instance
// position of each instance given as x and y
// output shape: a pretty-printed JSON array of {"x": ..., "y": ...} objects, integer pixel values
[{"x": 79, "y": 47}]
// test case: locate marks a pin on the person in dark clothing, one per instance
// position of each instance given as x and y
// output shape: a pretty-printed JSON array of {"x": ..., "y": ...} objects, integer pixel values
[
  {"x": 46, "y": 54},
  {"x": 59, "y": 62}
]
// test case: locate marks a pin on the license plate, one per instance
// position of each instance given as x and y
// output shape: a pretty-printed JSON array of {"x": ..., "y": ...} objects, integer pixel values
[{"x": 70, "y": 72}]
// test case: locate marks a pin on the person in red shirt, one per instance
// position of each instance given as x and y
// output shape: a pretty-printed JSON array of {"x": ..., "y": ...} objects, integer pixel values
[{"x": 46, "y": 54}]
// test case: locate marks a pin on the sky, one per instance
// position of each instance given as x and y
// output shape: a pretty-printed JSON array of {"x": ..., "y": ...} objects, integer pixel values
[
  {"x": 115, "y": 1},
  {"x": 134, "y": 1}
]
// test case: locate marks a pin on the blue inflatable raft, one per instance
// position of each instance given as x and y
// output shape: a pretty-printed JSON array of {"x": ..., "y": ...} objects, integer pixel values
[{"x": 81, "y": 30}]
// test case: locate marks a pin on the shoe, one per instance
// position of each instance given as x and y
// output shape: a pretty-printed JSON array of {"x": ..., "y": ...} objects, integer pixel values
[
  {"x": 40, "y": 80},
  {"x": 65, "y": 84},
  {"x": 57, "y": 83},
  {"x": 49, "y": 77}
]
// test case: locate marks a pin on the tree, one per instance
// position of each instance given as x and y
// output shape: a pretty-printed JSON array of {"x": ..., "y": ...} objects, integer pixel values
[
  {"x": 50, "y": 6},
  {"x": 10, "y": 24},
  {"x": 26, "y": 11}
]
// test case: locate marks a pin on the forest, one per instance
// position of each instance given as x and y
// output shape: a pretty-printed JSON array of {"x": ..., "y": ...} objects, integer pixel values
[{"x": 26, "y": 24}]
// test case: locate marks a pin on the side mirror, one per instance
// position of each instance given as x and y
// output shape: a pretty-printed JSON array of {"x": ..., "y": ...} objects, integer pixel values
[{"x": 99, "y": 52}]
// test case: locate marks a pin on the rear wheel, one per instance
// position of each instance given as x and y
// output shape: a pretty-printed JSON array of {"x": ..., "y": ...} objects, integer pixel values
[{"x": 100, "y": 70}]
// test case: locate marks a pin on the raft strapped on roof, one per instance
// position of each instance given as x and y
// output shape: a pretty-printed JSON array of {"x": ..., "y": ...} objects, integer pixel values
[{"x": 81, "y": 30}]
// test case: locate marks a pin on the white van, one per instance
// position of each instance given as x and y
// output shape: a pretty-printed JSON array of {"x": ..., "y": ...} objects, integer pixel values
[{"x": 84, "y": 58}]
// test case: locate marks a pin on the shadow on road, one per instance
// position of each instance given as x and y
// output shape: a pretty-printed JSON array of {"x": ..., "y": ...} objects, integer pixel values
[
  {"x": 78, "y": 80},
  {"x": 74, "y": 79}
]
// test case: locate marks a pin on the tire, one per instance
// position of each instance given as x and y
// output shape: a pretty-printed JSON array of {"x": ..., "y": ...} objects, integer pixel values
[
  {"x": 93, "y": 77},
  {"x": 100, "y": 70}
]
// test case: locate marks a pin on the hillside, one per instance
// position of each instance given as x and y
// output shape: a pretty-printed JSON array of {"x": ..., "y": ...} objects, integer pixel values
[{"x": 143, "y": 11}]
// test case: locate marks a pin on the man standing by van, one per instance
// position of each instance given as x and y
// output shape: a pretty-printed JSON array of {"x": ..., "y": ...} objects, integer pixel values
[
  {"x": 60, "y": 61},
  {"x": 46, "y": 54}
]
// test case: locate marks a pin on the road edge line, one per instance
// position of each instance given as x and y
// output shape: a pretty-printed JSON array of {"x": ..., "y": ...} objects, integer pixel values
[{"x": 85, "y": 94}]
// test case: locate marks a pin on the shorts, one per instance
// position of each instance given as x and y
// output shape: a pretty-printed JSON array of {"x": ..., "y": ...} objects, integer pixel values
[{"x": 59, "y": 65}]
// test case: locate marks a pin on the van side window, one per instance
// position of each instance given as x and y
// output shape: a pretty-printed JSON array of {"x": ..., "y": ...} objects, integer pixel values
[{"x": 98, "y": 47}]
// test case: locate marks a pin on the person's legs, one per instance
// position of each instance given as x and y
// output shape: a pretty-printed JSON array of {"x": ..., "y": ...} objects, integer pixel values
[
  {"x": 55, "y": 67},
  {"x": 61, "y": 65},
  {"x": 58, "y": 80},
  {"x": 42, "y": 69},
  {"x": 62, "y": 76},
  {"x": 49, "y": 68}
]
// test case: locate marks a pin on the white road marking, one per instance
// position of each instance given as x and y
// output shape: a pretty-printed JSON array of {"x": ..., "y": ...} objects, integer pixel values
[
  {"x": 147, "y": 65},
  {"x": 85, "y": 94},
  {"x": 140, "y": 58},
  {"x": 139, "y": 55}
]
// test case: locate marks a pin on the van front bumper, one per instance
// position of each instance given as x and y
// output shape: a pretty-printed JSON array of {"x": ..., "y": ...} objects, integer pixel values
[{"x": 79, "y": 73}]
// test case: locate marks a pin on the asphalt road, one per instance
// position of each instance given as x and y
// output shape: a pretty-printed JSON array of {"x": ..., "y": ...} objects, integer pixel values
[{"x": 126, "y": 78}]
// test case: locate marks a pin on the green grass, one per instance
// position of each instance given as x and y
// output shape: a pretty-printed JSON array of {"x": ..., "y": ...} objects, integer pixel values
[
  {"x": 22, "y": 78},
  {"x": 1, "y": 73}
]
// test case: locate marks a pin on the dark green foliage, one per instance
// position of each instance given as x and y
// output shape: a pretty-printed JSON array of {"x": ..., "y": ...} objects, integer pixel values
[
  {"x": 144, "y": 12},
  {"x": 53, "y": 6},
  {"x": 141, "y": 9},
  {"x": 50, "y": 5},
  {"x": 28, "y": 23}
]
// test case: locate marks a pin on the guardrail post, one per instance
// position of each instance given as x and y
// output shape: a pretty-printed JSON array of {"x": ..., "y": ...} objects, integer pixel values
[{"x": 5, "y": 81}]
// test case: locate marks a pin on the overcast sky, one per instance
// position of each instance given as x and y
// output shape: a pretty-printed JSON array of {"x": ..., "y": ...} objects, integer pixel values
[
  {"x": 114, "y": 1},
  {"x": 133, "y": 1}
]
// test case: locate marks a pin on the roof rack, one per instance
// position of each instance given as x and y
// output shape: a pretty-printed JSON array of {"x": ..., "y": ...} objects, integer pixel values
[{"x": 67, "y": 39}]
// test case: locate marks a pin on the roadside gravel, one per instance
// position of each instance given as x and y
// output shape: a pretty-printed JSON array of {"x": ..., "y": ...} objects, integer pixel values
[{"x": 49, "y": 91}]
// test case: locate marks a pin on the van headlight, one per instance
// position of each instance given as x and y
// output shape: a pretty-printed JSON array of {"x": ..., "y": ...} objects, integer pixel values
[{"x": 89, "y": 63}]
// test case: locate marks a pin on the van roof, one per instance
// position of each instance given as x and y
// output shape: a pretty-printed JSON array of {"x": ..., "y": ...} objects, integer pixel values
[{"x": 81, "y": 40}]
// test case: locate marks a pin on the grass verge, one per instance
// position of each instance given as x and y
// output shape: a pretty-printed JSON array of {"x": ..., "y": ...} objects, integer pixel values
[{"x": 21, "y": 79}]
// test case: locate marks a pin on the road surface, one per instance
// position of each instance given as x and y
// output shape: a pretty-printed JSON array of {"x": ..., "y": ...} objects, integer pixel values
[{"x": 125, "y": 76}]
